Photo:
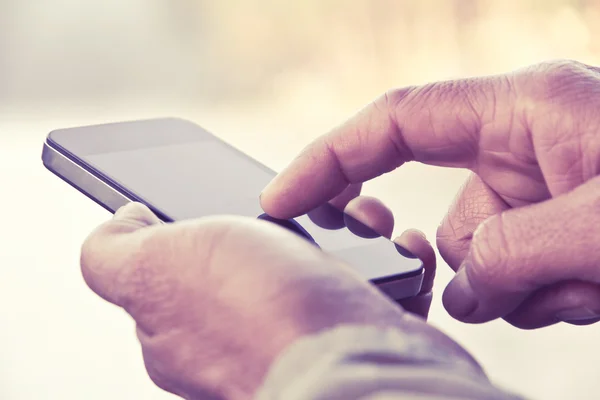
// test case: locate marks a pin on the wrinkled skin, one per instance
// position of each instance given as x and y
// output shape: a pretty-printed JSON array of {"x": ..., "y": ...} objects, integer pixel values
[
  {"x": 217, "y": 299},
  {"x": 522, "y": 233}
]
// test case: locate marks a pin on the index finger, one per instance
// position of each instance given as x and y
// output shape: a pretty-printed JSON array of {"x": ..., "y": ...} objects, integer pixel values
[{"x": 436, "y": 124}]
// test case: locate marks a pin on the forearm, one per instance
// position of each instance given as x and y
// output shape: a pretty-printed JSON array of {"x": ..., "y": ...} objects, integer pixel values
[{"x": 364, "y": 363}]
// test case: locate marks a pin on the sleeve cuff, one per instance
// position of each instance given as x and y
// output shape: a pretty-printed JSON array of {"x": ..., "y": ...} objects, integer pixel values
[{"x": 358, "y": 362}]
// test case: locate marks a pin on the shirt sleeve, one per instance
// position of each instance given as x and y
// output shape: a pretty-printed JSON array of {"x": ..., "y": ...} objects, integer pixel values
[{"x": 367, "y": 363}]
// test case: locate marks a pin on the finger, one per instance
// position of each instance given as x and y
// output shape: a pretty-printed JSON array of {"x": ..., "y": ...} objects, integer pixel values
[
  {"x": 583, "y": 322},
  {"x": 474, "y": 203},
  {"x": 346, "y": 196},
  {"x": 525, "y": 249},
  {"x": 416, "y": 242},
  {"x": 437, "y": 124},
  {"x": 418, "y": 305},
  {"x": 134, "y": 214},
  {"x": 105, "y": 248},
  {"x": 372, "y": 213},
  {"x": 573, "y": 302},
  {"x": 328, "y": 217}
]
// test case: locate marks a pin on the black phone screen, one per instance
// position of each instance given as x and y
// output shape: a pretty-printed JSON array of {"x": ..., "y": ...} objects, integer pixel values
[{"x": 204, "y": 176}]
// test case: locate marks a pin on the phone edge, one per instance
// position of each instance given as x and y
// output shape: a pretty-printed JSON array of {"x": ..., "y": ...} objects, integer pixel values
[{"x": 82, "y": 180}]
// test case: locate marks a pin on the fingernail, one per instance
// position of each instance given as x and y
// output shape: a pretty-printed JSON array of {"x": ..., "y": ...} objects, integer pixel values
[
  {"x": 577, "y": 314},
  {"x": 268, "y": 187},
  {"x": 459, "y": 299},
  {"x": 136, "y": 212},
  {"x": 404, "y": 252},
  {"x": 124, "y": 211},
  {"x": 417, "y": 232}
]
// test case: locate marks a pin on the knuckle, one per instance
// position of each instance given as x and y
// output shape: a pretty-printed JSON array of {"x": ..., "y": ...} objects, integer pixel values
[
  {"x": 472, "y": 101},
  {"x": 445, "y": 233},
  {"x": 392, "y": 98},
  {"x": 470, "y": 104},
  {"x": 452, "y": 248},
  {"x": 427, "y": 111},
  {"x": 558, "y": 79},
  {"x": 391, "y": 103},
  {"x": 561, "y": 66},
  {"x": 450, "y": 238},
  {"x": 454, "y": 95},
  {"x": 471, "y": 207},
  {"x": 558, "y": 70},
  {"x": 490, "y": 252}
]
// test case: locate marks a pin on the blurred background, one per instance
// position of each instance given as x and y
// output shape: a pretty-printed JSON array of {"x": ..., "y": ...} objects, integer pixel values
[{"x": 267, "y": 76}]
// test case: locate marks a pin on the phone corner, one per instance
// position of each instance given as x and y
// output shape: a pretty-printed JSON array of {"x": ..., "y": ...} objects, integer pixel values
[
  {"x": 48, "y": 155},
  {"x": 52, "y": 138}
]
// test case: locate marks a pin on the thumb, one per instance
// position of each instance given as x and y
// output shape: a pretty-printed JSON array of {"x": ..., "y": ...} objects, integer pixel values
[
  {"x": 517, "y": 252},
  {"x": 103, "y": 254},
  {"x": 132, "y": 216}
]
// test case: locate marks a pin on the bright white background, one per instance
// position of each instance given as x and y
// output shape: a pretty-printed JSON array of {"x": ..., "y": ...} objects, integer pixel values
[{"x": 268, "y": 77}]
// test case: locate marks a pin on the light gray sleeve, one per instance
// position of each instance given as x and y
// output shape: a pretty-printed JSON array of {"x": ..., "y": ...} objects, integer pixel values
[{"x": 367, "y": 363}]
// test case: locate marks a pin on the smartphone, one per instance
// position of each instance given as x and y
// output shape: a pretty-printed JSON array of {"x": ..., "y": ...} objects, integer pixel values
[{"x": 181, "y": 171}]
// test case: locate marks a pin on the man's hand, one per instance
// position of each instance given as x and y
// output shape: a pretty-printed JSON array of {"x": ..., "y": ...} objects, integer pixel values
[
  {"x": 523, "y": 232},
  {"x": 217, "y": 299}
]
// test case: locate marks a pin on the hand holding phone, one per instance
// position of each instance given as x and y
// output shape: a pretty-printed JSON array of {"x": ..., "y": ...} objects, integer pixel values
[
  {"x": 180, "y": 171},
  {"x": 217, "y": 300}
]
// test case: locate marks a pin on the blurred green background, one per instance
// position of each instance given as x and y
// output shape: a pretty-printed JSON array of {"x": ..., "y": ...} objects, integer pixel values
[{"x": 267, "y": 76}]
